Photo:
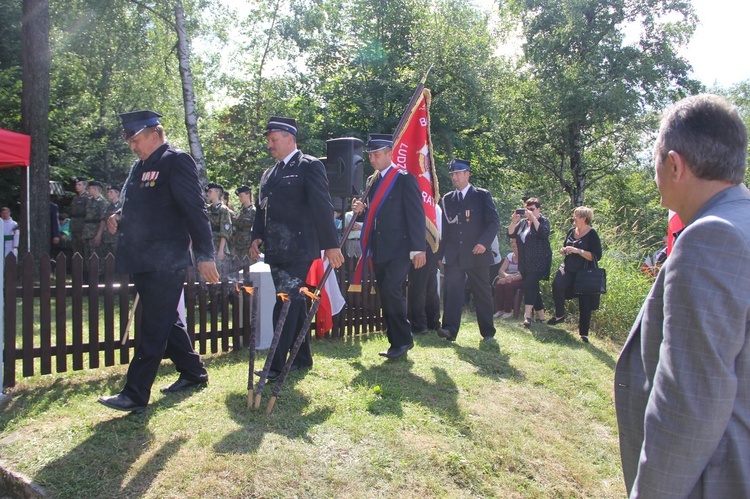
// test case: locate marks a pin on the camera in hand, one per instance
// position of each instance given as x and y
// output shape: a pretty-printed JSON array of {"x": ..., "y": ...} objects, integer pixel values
[{"x": 521, "y": 211}]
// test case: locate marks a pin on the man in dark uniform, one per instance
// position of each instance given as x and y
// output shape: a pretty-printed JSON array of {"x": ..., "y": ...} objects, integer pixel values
[
  {"x": 423, "y": 297},
  {"x": 109, "y": 241},
  {"x": 221, "y": 225},
  {"x": 470, "y": 223},
  {"x": 95, "y": 221},
  {"x": 242, "y": 225},
  {"x": 78, "y": 215},
  {"x": 162, "y": 213},
  {"x": 394, "y": 229},
  {"x": 293, "y": 222}
]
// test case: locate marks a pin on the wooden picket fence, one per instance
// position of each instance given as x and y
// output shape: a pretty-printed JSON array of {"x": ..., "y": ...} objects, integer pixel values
[{"x": 70, "y": 318}]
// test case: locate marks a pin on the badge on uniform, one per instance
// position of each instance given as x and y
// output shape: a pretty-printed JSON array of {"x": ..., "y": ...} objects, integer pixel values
[
  {"x": 468, "y": 215},
  {"x": 148, "y": 179},
  {"x": 227, "y": 226}
]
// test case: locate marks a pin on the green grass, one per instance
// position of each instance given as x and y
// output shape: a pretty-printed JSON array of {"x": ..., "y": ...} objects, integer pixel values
[{"x": 531, "y": 417}]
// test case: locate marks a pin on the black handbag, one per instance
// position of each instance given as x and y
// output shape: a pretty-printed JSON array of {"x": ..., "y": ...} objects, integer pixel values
[{"x": 591, "y": 280}]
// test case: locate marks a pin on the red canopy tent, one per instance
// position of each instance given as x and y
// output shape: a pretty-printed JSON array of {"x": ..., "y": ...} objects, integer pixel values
[{"x": 15, "y": 149}]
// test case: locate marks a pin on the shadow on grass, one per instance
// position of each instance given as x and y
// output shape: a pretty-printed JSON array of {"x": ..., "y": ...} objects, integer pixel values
[
  {"x": 488, "y": 358},
  {"x": 490, "y": 361},
  {"x": 348, "y": 347},
  {"x": 98, "y": 466},
  {"x": 31, "y": 402},
  {"x": 548, "y": 334},
  {"x": 288, "y": 418},
  {"x": 394, "y": 383}
]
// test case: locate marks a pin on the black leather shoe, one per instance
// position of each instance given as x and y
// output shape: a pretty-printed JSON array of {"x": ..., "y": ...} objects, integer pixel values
[
  {"x": 122, "y": 402},
  {"x": 272, "y": 375},
  {"x": 444, "y": 333},
  {"x": 183, "y": 384},
  {"x": 394, "y": 353},
  {"x": 556, "y": 320}
]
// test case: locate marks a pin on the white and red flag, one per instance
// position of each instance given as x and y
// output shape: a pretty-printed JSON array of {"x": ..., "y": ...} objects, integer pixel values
[{"x": 331, "y": 299}]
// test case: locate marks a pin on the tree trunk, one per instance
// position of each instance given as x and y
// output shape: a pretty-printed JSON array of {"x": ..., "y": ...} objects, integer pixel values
[
  {"x": 35, "y": 62},
  {"x": 188, "y": 91},
  {"x": 578, "y": 185}
]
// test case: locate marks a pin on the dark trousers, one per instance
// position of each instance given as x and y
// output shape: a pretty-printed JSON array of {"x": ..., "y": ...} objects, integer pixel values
[
  {"x": 453, "y": 298},
  {"x": 531, "y": 293},
  {"x": 562, "y": 289},
  {"x": 504, "y": 294},
  {"x": 423, "y": 300},
  {"x": 161, "y": 334},
  {"x": 289, "y": 278},
  {"x": 390, "y": 277}
]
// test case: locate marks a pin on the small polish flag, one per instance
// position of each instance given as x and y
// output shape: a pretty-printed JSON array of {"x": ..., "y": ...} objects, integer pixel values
[{"x": 331, "y": 299}]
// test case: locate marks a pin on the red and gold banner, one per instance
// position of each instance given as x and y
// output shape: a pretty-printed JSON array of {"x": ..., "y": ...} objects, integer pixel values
[{"x": 412, "y": 150}]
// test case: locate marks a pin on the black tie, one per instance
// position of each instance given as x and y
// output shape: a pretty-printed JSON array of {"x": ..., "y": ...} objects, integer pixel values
[
  {"x": 378, "y": 176},
  {"x": 460, "y": 196},
  {"x": 277, "y": 169}
]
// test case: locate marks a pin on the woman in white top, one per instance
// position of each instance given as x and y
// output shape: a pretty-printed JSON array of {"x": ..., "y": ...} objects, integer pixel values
[{"x": 507, "y": 282}]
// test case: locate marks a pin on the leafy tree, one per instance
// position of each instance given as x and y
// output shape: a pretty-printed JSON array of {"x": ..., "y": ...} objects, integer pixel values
[
  {"x": 739, "y": 95},
  {"x": 590, "y": 87},
  {"x": 10, "y": 91},
  {"x": 109, "y": 57}
]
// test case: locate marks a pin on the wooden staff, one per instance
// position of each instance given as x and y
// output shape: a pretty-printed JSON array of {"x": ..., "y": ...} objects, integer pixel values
[
  {"x": 126, "y": 332},
  {"x": 272, "y": 349},
  {"x": 255, "y": 317},
  {"x": 297, "y": 343}
]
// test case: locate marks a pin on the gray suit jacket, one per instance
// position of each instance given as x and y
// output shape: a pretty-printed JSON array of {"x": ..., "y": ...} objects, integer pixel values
[{"x": 682, "y": 382}]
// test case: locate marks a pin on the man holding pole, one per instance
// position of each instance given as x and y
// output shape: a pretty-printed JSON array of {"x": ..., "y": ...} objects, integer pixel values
[
  {"x": 293, "y": 223},
  {"x": 162, "y": 215},
  {"x": 394, "y": 234}
]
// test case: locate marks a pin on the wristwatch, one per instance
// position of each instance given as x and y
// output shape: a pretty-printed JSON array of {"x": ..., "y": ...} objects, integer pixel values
[{"x": 580, "y": 250}]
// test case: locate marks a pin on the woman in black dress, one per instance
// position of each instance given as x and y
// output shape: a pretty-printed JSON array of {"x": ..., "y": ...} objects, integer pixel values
[
  {"x": 531, "y": 231},
  {"x": 581, "y": 244}
]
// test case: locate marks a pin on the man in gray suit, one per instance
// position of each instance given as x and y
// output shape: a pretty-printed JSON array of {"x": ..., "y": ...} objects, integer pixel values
[{"x": 682, "y": 383}]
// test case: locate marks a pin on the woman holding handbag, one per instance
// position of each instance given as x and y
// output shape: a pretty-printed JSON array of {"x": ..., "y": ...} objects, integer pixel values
[{"x": 582, "y": 245}]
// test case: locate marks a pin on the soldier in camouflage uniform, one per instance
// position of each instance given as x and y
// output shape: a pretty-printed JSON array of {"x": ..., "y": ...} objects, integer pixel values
[
  {"x": 242, "y": 226},
  {"x": 78, "y": 215},
  {"x": 109, "y": 240},
  {"x": 221, "y": 227},
  {"x": 95, "y": 223}
]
